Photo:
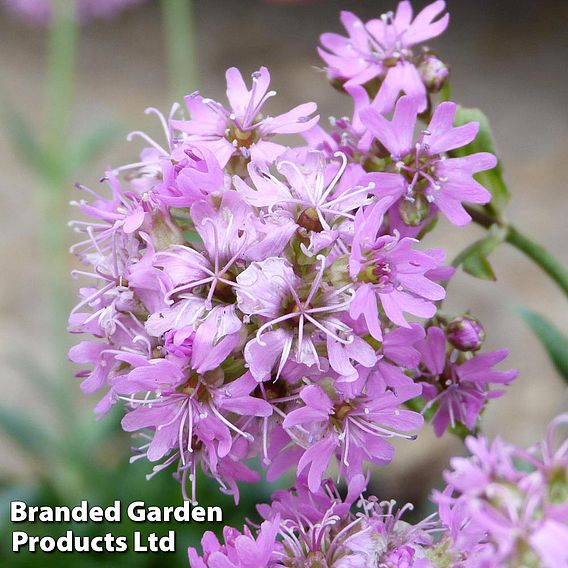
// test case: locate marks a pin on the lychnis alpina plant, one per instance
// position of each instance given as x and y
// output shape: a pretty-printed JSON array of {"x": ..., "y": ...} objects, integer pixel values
[{"x": 250, "y": 299}]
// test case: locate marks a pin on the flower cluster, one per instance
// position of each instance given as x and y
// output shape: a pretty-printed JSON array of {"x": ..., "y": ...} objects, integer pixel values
[
  {"x": 306, "y": 529},
  {"x": 379, "y": 54},
  {"x": 39, "y": 11},
  {"x": 507, "y": 507},
  {"x": 252, "y": 299},
  {"x": 502, "y": 507}
]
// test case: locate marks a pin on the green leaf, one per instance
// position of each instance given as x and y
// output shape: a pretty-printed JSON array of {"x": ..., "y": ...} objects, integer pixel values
[
  {"x": 474, "y": 259},
  {"x": 484, "y": 142},
  {"x": 478, "y": 266},
  {"x": 555, "y": 343},
  {"x": 26, "y": 433}
]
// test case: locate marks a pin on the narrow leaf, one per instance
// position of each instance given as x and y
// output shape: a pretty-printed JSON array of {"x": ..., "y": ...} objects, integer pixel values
[
  {"x": 477, "y": 265},
  {"x": 474, "y": 258},
  {"x": 555, "y": 343}
]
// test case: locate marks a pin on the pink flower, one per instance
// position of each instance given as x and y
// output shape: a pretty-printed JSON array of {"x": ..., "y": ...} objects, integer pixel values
[
  {"x": 398, "y": 358},
  {"x": 187, "y": 417},
  {"x": 190, "y": 176},
  {"x": 318, "y": 527},
  {"x": 240, "y": 550},
  {"x": 381, "y": 49},
  {"x": 294, "y": 322},
  {"x": 423, "y": 165},
  {"x": 242, "y": 131},
  {"x": 459, "y": 391},
  {"x": 353, "y": 429},
  {"x": 348, "y": 135},
  {"x": 390, "y": 272},
  {"x": 354, "y": 532},
  {"x": 247, "y": 300},
  {"x": 502, "y": 508},
  {"x": 319, "y": 196}
]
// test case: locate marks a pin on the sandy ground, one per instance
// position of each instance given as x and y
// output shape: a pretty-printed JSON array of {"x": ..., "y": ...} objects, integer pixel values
[{"x": 507, "y": 58}]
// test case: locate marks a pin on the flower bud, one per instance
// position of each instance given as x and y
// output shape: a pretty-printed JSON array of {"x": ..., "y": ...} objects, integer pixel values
[
  {"x": 465, "y": 333},
  {"x": 179, "y": 343},
  {"x": 433, "y": 72}
]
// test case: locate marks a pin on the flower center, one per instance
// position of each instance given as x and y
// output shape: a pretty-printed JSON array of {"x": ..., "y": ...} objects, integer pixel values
[
  {"x": 379, "y": 271},
  {"x": 419, "y": 170},
  {"x": 241, "y": 138},
  {"x": 309, "y": 220}
]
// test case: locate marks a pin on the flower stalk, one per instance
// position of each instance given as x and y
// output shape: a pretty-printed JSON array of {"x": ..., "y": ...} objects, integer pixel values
[
  {"x": 61, "y": 56},
  {"x": 525, "y": 244},
  {"x": 179, "y": 35}
]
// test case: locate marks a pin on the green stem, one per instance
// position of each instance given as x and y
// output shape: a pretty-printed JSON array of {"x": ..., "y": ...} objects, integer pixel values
[
  {"x": 61, "y": 52},
  {"x": 181, "y": 53},
  {"x": 531, "y": 249}
]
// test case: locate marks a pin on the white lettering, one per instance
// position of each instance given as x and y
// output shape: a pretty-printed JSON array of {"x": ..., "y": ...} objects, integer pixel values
[
  {"x": 18, "y": 511},
  {"x": 19, "y": 538},
  {"x": 136, "y": 511}
]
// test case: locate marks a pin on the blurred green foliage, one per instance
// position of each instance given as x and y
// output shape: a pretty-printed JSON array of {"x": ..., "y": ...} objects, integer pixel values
[{"x": 91, "y": 463}]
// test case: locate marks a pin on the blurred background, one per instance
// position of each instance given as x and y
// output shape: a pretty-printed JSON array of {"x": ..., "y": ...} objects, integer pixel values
[{"x": 507, "y": 58}]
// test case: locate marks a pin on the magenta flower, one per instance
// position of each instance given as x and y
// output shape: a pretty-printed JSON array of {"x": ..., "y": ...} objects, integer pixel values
[
  {"x": 488, "y": 460},
  {"x": 499, "y": 508},
  {"x": 321, "y": 529},
  {"x": 192, "y": 175},
  {"x": 423, "y": 165},
  {"x": 318, "y": 527},
  {"x": 353, "y": 429},
  {"x": 398, "y": 359},
  {"x": 348, "y": 135},
  {"x": 187, "y": 417},
  {"x": 390, "y": 272},
  {"x": 465, "y": 333},
  {"x": 296, "y": 323},
  {"x": 511, "y": 510},
  {"x": 319, "y": 196},
  {"x": 243, "y": 130},
  {"x": 381, "y": 49},
  {"x": 459, "y": 391},
  {"x": 240, "y": 550}
]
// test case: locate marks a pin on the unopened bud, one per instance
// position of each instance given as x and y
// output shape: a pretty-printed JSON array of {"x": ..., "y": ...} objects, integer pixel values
[
  {"x": 433, "y": 72},
  {"x": 465, "y": 333}
]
